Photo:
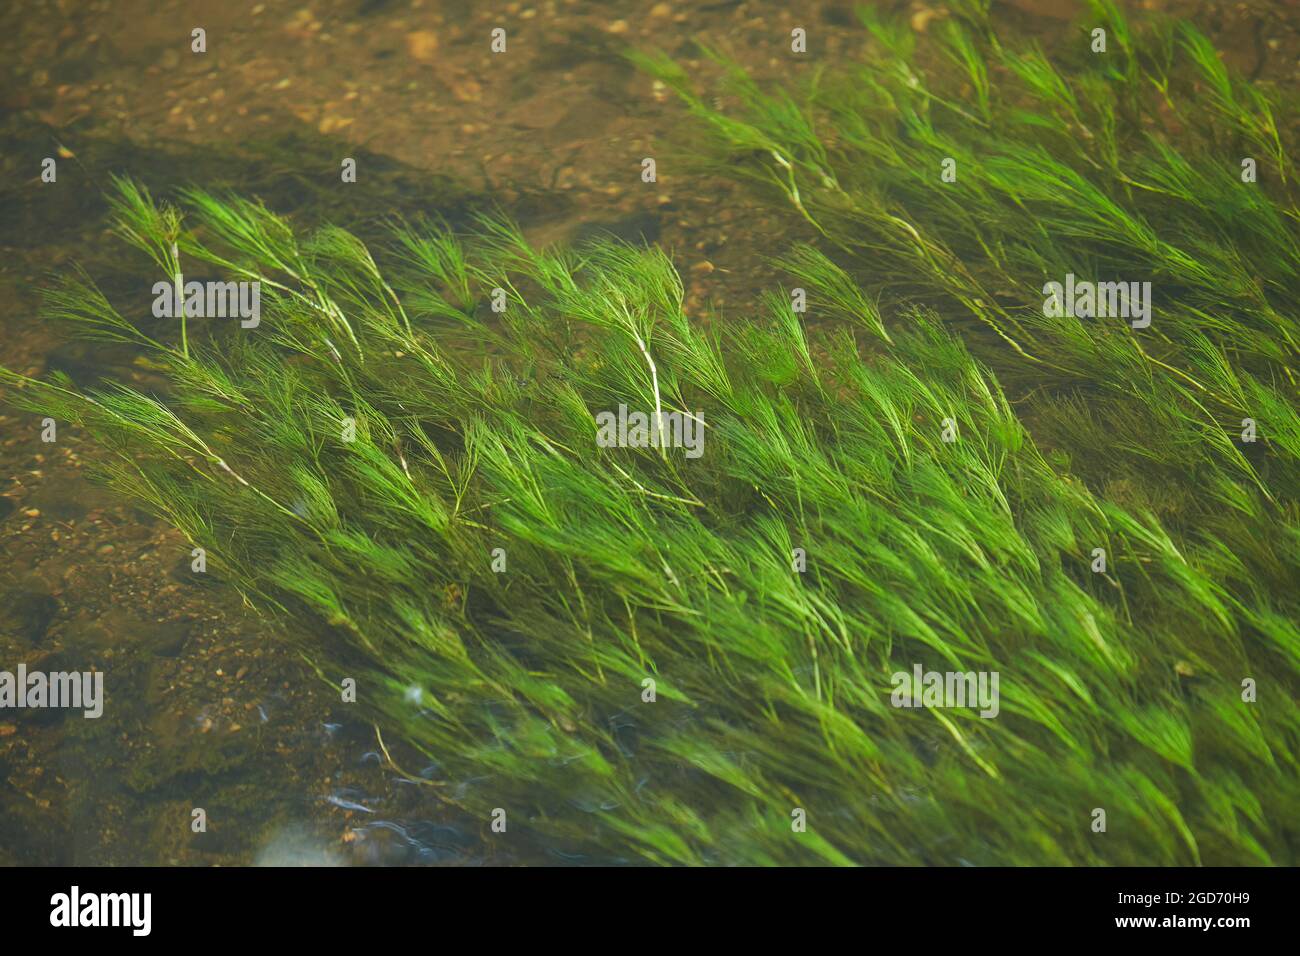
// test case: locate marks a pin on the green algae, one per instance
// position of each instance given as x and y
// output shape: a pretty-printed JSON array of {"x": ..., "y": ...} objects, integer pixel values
[{"x": 922, "y": 476}]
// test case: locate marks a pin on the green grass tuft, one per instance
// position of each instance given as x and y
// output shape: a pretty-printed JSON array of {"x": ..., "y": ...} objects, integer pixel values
[{"x": 475, "y": 430}]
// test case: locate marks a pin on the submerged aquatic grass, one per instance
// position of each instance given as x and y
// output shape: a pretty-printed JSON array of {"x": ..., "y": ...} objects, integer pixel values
[
  {"x": 1126, "y": 165},
  {"x": 389, "y": 456}
]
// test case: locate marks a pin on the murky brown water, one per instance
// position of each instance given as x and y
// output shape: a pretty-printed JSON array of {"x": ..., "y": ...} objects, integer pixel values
[{"x": 208, "y": 707}]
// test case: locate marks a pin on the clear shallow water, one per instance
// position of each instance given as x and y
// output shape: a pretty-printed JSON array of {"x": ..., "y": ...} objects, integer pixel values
[{"x": 208, "y": 707}]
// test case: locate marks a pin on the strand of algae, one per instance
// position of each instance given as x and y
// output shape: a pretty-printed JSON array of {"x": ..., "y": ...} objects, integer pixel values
[{"x": 475, "y": 431}]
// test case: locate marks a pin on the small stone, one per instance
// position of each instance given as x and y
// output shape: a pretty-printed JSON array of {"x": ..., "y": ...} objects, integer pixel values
[
  {"x": 467, "y": 90},
  {"x": 422, "y": 45},
  {"x": 921, "y": 19},
  {"x": 331, "y": 124}
]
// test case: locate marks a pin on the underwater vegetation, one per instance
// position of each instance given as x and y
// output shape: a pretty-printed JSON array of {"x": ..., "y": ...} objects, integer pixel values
[{"x": 641, "y": 654}]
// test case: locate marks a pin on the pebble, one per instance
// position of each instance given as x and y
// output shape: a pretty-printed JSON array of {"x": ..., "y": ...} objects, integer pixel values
[
  {"x": 422, "y": 45},
  {"x": 921, "y": 19},
  {"x": 467, "y": 90}
]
